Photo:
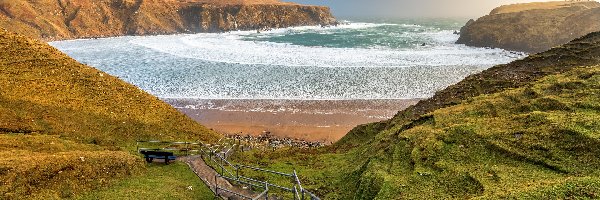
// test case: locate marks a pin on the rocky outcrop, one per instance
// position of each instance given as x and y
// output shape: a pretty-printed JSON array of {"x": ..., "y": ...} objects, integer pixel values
[
  {"x": 68, "y": 19},
  {"x": 533, "y": 27}
]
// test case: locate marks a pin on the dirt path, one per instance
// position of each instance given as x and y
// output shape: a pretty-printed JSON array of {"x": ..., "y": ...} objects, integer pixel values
[{"x": 207, "y": 174}]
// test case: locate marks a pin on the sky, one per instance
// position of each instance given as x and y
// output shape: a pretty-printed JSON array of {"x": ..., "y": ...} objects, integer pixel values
[{"x": 411, "y": 8}]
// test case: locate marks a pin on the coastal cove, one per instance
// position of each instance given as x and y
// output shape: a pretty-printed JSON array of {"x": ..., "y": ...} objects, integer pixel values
[
  {"x": 266, "y": 99},
  {"x": 314, "y": 120},
  {"x": 330, "y": 69}
]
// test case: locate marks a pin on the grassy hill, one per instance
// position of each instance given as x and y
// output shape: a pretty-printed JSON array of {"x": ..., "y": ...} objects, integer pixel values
[
  {"x": 513, "y": 143},
  {"x": 66, "y": 128},
  {"x": 45, "y": 91},
  {"x": 528, "y": 129},
  {"x": 584, "y": 51}
]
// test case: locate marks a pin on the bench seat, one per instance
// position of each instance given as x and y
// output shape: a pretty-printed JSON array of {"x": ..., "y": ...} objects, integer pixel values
[{"x": 151, "y": 155}]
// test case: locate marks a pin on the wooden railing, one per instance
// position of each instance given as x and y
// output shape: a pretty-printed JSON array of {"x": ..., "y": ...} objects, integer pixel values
[{"x": 218, "y": 154}]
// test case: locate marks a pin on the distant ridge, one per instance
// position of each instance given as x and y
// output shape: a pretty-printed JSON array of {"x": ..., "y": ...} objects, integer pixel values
[
  {"x": 514, "y": 8},
  {"x": 70, "y": 19},
  {"x": 532, "y": 27}
]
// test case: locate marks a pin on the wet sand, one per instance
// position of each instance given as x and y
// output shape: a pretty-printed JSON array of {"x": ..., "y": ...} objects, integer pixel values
[{"x": 313, "y": 120}]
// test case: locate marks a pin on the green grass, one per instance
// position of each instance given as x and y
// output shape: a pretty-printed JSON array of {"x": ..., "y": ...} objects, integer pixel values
[
  {"x": 584, "y": 51},
  {"x": 159, "y": 181},
  {"x": 537, "y": 141}
]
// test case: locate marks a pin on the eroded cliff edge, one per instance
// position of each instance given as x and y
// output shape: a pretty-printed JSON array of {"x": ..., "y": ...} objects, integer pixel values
[
  {"x": 69, "y": 19},
  {"x": 532, "y": 27}
]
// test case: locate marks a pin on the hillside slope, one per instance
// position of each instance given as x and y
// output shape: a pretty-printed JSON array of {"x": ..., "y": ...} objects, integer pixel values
[
  {"x": 527, "y": 123},
  {"x": 528, "y": 129},
  {"x": 532, "y": 27},
  {"x": 68, "y": 19},
  {"x": 66, "y": 128},
  {"x": 45, "y": 91},
  {"x": 584, "y": 51},
  {"x": 538, "y": 141}
]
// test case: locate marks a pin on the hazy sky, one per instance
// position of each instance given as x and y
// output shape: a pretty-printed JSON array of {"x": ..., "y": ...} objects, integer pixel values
[{"x": 403, "y": 8}]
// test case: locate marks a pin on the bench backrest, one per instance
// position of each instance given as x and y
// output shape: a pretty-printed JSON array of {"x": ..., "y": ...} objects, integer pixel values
[{"x": 157, "y": 153}]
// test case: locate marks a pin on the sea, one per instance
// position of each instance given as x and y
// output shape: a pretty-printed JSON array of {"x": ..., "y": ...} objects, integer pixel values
[{"x": 363, "y": 59}]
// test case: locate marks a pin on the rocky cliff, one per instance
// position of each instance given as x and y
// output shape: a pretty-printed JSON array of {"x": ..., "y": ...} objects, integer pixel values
[
  {"x": 532, "y": 27},
  {"x": 68, "y": 19}
]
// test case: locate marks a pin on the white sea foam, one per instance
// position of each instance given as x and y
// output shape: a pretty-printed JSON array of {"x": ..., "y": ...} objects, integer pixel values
[
  {"x": 348, "y": 25},
  {"x": 230, "y": 48},
  {"x": 236, "y": 65}
]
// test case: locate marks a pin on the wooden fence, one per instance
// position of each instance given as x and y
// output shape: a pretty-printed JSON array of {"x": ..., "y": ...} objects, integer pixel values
[{"x": 218, "y": 154}]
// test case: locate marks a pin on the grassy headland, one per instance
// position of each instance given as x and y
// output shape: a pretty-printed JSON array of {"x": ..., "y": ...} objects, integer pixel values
[{"x": 66, "y": 128}]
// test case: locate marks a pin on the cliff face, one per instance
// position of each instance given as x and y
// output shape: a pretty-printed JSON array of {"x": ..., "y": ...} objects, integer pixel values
[
  {"x": 533, "y": 27},
  {"x": 67, "y": 19}
]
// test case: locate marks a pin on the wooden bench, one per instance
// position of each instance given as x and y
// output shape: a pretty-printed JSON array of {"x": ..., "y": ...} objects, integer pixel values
[{"x": 151, "y": 155}]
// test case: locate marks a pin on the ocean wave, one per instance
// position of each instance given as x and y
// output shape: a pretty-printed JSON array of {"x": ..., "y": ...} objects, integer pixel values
[
  {"x": 231, "y": 48},
  {"x": 233, "y": 66}
]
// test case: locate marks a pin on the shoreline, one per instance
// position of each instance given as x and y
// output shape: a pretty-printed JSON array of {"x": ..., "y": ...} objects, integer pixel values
[{"x": 312, "y": 120}]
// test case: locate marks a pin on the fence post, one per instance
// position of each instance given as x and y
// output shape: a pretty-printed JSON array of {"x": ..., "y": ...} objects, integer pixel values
[
  {"x": 295, "y": 193},
  {"x": 297, "y": 182},
  {"x": 267, "y": 188},
  {"x": 216, "y": 187},
  {"x": 222, "y": 170}
]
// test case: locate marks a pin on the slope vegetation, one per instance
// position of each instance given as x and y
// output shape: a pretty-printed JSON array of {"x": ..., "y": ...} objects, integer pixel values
[
  {"x": 584, "y": 51},
  {"x": 528, "y": 129},
  {"x": 65, "y": 127},
  {"x": 68, "y": 19},
  {"x": 515, "y": 143}
]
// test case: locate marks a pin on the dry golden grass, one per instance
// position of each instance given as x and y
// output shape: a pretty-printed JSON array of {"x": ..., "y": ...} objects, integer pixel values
[
  {"x": 45, "y": 91},
  {"x": 65, "y": 128},
  {"x": 43, "y": 166}
]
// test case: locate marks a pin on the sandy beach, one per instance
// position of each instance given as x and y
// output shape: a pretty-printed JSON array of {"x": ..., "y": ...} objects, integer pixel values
[{"x": 313, "y": 120}]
